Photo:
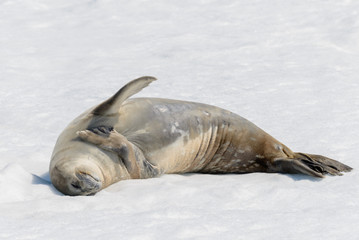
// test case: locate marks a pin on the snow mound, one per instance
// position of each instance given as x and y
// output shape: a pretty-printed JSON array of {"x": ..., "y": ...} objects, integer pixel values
[{"x": 19, "y": 185}]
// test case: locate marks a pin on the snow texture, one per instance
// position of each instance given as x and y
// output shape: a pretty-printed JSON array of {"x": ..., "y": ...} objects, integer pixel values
[{"x": 291, "y": 67}]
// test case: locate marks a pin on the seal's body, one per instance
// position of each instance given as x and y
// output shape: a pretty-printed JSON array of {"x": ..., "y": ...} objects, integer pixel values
[
  {"x": 146, "y": 137},
  {"x": 180, "y": 137}
]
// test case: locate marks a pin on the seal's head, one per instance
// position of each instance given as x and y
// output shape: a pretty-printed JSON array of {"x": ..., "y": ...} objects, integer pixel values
[
  {"x": 77, "y": 177},
  {"x": 80, "y": 168}
]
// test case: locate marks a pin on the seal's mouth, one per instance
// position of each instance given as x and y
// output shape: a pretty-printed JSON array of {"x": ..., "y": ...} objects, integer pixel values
[{"x": 85, "y": 184}]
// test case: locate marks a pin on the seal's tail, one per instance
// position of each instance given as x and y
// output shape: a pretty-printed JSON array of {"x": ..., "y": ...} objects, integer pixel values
[{"x": 310, "y": 164}]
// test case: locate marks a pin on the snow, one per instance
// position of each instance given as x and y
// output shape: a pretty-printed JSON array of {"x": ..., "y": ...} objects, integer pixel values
[{"x": 291, "y": 67}]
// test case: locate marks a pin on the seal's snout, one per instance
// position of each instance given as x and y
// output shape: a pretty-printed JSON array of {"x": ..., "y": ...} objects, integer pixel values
[
  {"x": 76, "y": 180},
  {"x": 85, "y": 184}
]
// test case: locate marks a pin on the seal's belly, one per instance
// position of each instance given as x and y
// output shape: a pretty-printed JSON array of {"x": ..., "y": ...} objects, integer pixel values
[
  {"x": 221, "y": 149},
  {"x": 183, "y": 137}
]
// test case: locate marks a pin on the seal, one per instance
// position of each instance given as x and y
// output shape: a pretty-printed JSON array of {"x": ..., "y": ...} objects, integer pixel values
[{"x": 135, "y": 138}]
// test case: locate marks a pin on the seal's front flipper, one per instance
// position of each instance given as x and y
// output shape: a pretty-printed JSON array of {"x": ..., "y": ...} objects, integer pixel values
[
  {"x": 309, "y": 164},
  {"x": 104, "y": 137},
  {"x": 112, "y": 105},
  {"x": 109, "y": 139}
]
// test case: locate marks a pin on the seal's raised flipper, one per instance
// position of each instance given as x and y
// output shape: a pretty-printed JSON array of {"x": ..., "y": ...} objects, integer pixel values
[
  {"x": 310, "y": 164},
  {"x": 112, "y": 104},
  {"x": 109, "y": 139}
]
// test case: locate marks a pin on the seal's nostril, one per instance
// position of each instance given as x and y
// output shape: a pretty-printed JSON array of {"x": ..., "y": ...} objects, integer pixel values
[{"x": 88, "y": 184}]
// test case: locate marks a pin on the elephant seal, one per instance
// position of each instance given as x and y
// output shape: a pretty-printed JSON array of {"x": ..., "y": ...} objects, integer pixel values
[{"x": 145, "y": 137}]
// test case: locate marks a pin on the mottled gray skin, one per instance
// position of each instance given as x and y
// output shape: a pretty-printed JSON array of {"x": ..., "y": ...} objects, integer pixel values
[
  {"x": 146, "y": 137},
  {"x": 181, "y": 137}
]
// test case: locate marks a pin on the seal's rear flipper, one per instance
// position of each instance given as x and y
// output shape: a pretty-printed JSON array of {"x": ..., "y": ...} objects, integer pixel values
[
  {"x": 112, "y": 104},
  {"x": 310, "y": 164}
]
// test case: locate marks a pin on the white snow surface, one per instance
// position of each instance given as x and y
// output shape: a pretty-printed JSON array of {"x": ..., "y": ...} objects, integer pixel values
[{"x": 291, "y": 67}]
